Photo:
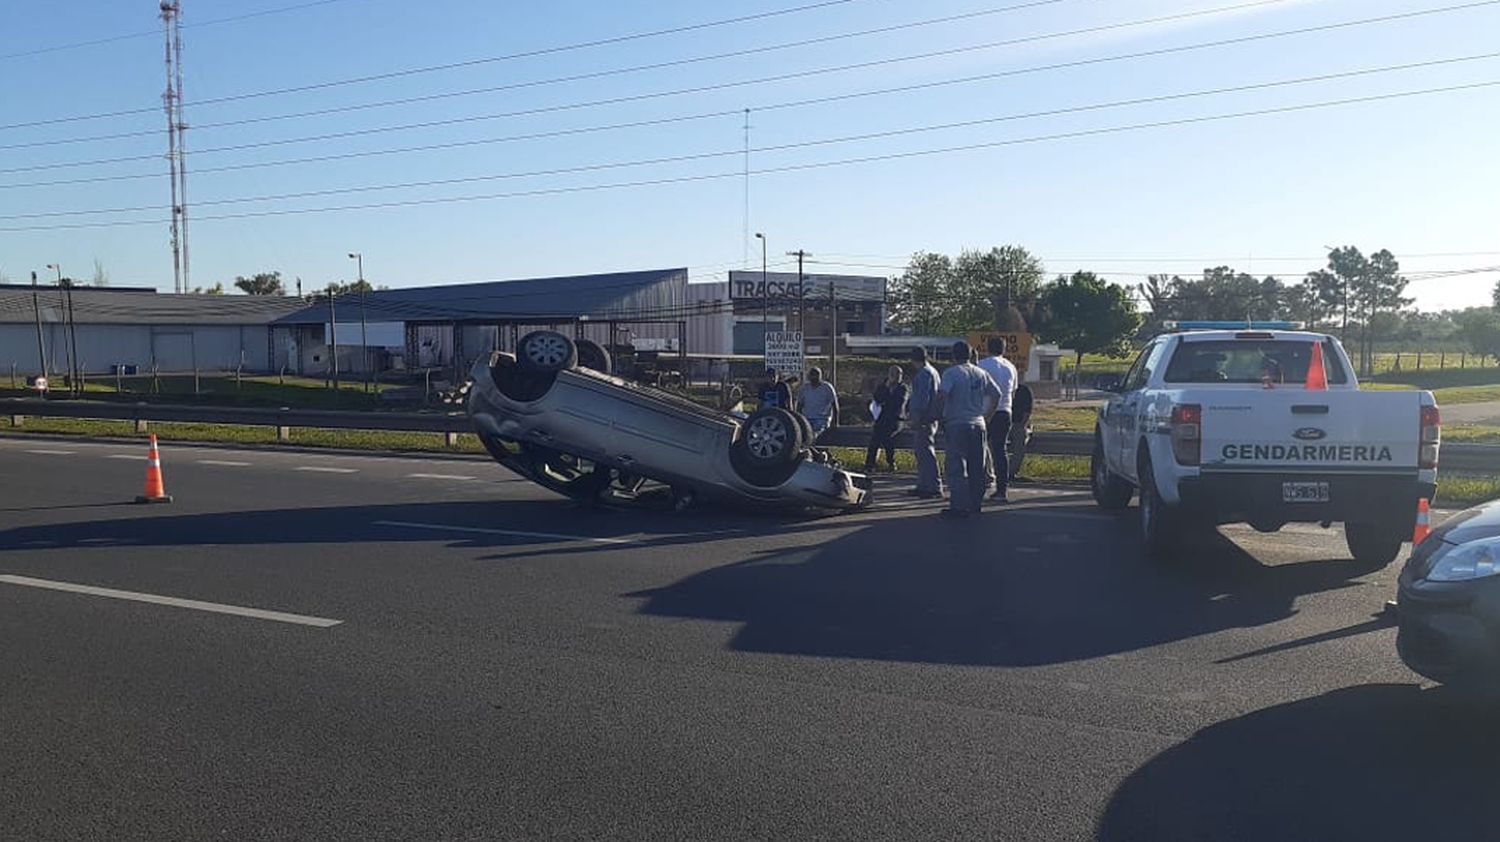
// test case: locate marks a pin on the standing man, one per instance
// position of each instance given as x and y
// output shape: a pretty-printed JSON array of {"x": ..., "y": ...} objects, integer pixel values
[
  {"x": 965, "y": 393},
  {"x": 890, "y": 399},
  {"x": 818, "y": 402},
  {"x": 998, "y": 430},
  {"x": 773, "y": 392},
  {"x": 922, "y": 416},
  {"x": 1020, "y": 428}
]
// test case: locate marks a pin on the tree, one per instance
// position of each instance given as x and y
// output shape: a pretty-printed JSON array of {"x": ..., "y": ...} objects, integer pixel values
[
  {"x": 101, "y": 277},
  {"x": 1495, "y": 294},
  {"x": 1371, "y": 285},
  {"x": 1479, "y": 328},
  {"x": 337, "y": 288},
  {"x": 216, "y": 289},
  {"x": 990, "y": 284},
  {"x": 1089, "y": 314},
  {"x": 262, "y": 283},
  {"x": 919, "y": 298}
]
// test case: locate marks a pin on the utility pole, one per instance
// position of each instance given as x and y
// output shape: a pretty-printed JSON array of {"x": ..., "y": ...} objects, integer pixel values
[
  {"x": 800, "y": 254},
  {"x": 77, "y": 384},
  {"x": 745, "y": 258},
  {"x": 765, "y": 290},
  {"x": 36, "y": 308},
  {"x": 364, "y": 339},
  {"x": 70, "y": 337},
  {"x": 833, "y": 336}
]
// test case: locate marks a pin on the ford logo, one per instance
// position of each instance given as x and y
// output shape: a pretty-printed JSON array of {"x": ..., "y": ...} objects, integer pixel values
[{"x": 1309, "y": 434}]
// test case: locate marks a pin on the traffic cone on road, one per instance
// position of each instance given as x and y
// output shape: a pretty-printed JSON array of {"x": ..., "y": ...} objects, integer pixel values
[
  {"x": 1424, "y": 526},
  {"x": 156, "y": 489}
]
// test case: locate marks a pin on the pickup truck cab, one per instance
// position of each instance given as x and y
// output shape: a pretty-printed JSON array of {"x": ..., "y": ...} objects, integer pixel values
[{"x": 1225, "y": 426}]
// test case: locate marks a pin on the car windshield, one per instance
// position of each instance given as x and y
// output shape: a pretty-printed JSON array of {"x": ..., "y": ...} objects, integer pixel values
[{"x": 1250, "y": 361}]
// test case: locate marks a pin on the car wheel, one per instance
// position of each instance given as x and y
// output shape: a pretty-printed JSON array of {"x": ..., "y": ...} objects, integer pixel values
[
  {"x": 1373, "y": 545},
  {"x": 520, "y": 384},
  {"x": 546, "y": 352},
  {"x": 592, "y": 355},
  {"x": 1161, "y": 529},
  {"x": 1110, "y": 492},
  {"x": 768, "y": 447}
]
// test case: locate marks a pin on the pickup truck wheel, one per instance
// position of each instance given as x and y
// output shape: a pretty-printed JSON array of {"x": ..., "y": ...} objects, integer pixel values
[
  {"x": 1110, "y": 492},
  {"x": 768, "y": 448},
  {"x": 546, "y": 352},
  {"x": 1161, "y": 526},
  {"x": 1373, "y": 545}
]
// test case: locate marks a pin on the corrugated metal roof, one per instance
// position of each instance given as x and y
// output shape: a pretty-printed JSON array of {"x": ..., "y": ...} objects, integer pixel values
[
  {"x": 138, "y": 306},
  {"x": 645, "y": 296}
]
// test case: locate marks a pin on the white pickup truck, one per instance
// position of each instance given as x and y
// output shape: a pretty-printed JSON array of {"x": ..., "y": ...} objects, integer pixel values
[{"x": 1220, "y": 426}]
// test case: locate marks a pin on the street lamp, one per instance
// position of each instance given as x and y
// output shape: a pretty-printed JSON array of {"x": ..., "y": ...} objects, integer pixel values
[{"x": 364, "y": 342}]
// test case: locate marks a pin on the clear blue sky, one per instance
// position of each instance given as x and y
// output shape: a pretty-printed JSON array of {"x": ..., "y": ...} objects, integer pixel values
[{"x": 1415, "y": 175}]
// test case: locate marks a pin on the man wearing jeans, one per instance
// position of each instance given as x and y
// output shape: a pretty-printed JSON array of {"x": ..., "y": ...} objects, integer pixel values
[
  {"x": 998, "y": 429},
  {"x": 818, "y": 402},
  {"x": 922, "y": 416},
  {"x": 965, "y": 393}
]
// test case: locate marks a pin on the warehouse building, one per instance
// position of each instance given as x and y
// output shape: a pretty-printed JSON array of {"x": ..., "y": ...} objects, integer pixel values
[{"x": 115, "y": 326}]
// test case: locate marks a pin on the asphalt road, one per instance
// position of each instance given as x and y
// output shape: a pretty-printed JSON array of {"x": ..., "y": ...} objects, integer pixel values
[{"x": 453, "y": 653}]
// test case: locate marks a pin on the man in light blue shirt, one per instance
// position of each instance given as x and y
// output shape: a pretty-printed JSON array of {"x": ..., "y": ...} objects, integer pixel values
[
  {"x": 965, "y": 393},
  {"x": 922, "y": 416},
  {"x": 997, "y": 429}
]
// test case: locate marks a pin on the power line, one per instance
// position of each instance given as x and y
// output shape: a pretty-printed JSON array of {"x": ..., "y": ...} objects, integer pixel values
[
  {"x": 130, "y": 35},
  {"x": 803, "y": 167},
  {"x": 541, "y": 51},
  {"x": 727, "y": 112},
  {"x": 796, "y": 145}
]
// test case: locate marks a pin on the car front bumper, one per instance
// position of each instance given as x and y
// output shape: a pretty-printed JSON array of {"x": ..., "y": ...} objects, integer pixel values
[{"x": 1450, "y": 631}]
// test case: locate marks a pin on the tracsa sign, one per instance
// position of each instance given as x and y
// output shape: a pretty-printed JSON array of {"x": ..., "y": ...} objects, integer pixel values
[{"x": 785, "y": 286}]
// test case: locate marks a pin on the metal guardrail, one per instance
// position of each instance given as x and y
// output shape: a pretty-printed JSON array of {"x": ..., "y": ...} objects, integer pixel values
[{"x": 1463, "y": 458}]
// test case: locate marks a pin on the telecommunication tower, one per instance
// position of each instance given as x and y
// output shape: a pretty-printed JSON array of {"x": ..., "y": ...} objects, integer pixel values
[{"x": 171, "y": 17}]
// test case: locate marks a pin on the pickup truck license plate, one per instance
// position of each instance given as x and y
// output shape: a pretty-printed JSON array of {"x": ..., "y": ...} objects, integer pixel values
[{"x": 1305, "y": 492}]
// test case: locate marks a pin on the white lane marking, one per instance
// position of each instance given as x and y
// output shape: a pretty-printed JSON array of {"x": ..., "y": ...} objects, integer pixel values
[
  {"x": 438, "y": 476},
  {"x": 52, "y": 452},
  {"x": 196, "y": 605},
  {"x": 224, "y": 463},
  {"x": 322, "y": 470},
  {"x": 553, "y": 536},
  {"x": 132, "y": 456}
]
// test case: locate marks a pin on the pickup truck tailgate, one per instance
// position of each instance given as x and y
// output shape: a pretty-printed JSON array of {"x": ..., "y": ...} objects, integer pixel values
[{"x": 1296, "y": 430}]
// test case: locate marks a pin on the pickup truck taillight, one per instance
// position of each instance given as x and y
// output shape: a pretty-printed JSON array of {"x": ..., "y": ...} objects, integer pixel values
[
  {"x": 1186, "y": 431},
  {"x": 1432, "y": 436}
]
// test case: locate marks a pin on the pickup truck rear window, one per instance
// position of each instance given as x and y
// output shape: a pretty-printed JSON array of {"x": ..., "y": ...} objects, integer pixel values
[{"x": 1279, "y": 361}]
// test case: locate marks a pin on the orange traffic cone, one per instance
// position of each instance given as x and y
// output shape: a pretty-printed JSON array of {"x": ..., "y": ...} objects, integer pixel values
[
  {"x": 1424, "y": 526},
  {"x": 156, "y": 490},
  {"x": 1317, "y": 377}
]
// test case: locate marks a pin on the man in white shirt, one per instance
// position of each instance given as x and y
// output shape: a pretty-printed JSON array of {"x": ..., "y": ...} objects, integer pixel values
[
  {"x": 818, "y": 402},
  {"x": 965, "y": 393},
  {"x": 998, "y": 429}
]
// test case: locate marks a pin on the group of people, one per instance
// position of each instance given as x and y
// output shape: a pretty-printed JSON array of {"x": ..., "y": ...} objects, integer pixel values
[{"x": 982, "y": 406}]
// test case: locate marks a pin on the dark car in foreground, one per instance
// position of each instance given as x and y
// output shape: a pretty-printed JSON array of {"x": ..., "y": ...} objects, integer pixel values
[{"x": 1449, "y": 602}]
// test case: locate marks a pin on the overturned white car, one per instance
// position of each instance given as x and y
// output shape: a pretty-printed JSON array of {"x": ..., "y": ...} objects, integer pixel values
[{"x": 552, "y": 415}]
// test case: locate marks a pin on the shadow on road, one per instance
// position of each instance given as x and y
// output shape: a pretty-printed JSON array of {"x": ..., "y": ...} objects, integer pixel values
[
  {"x": 1368, "y": 763},
  {"x": 1016, "y": 587}
]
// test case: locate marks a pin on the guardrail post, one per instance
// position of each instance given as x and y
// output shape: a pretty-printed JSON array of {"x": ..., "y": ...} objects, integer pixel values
[
  {"x": 142, "y": 425},
  {"x": 283, "y": 431},
  {"x": 450, "y": 439},
  {"x": 17, "y": 420}
]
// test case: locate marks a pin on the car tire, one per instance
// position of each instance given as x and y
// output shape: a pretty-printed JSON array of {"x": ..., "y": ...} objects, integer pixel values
[
  {"x": 769, "y": 445},
  {"x": 592, "y": 355},
  {"x": 805, "y": 426},
  {"x": 546, "y": 352},
  {"x": 1373, "y": 545},
  {"x": 1110, "y": 492},
  {"x": 517, "y": 383},
  {"x": 1161, "y": 526}
]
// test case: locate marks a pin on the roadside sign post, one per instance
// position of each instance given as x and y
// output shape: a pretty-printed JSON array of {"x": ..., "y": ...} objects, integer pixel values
[{"x": 784, "y": 352}]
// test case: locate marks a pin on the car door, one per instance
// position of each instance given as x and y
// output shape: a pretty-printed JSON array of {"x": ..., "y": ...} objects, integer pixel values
[
  {"x": 1112, "y": 422},
  {"x": 1134, "y": 404}
]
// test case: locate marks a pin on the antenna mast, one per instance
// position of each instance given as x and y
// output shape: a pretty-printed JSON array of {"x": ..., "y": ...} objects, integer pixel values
[{"x": 171, "y": 13}]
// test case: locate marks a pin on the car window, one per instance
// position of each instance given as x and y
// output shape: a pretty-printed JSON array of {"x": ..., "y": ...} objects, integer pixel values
[
  {"x": 1140, "y": 371},
  {"x": 1251, "y": 361}
]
